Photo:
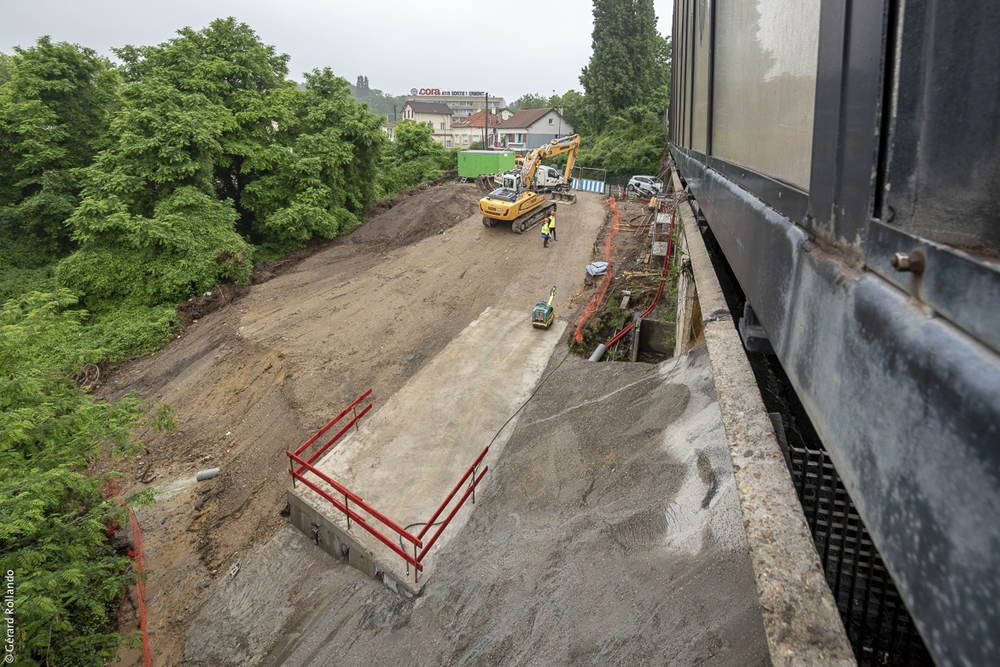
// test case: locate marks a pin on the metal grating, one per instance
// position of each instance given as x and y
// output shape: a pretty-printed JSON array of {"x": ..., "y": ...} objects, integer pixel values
[{"x": 878, "y": 625}]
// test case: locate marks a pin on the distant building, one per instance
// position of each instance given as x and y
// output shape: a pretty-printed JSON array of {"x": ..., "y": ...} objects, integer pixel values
[
  {"x": 462, "y": 103},
  {"x": 467, "y": 131},
  {"x": 390, "y": 130},
  {"x": 532, "y": 128},
  {"x": 435, "y": 115}
]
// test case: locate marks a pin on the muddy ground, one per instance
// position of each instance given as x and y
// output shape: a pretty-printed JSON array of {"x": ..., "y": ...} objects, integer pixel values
[
  {"x": 275, "y": 361},
  {"x": 606, "y": 533}
]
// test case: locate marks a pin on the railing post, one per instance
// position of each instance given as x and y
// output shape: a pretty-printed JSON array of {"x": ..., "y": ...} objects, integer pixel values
[
  {"x": 416, "y": 573},
  {"x": 347, "y": 511},
  {"x": 290, "y": 468}
]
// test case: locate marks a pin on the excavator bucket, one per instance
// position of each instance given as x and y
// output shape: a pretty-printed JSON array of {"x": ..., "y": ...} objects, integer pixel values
[
  {"x": 486, "y": 182},
  {"x": 564, "y": 196}
]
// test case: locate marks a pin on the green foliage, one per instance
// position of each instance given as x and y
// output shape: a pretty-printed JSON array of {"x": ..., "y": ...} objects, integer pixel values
[
  {"x": 413, "y": 140},
  {"x": 379, "y": 103},
  {"x": 212, "y": 149},
  {"x": 52, "y": 517},
  {"x": 414, "y": 158},
  {"x": 6, "y": 68},
  {"x": 222, "y": 75},
  {"x": 186, "y": 246},
  {"x": 660, "y": 97},
  {"x": 573, "y": 108},
  {"x": 529, "y": 101},
  {"x": 52, "y": 121},
  {"x": 624, "y": 69},
  {"x": 25, "y": 265},
  {"x": 324, "y": 184},
  {"x": 633, "y": 143},
  {"x": 129, "y": 330}
]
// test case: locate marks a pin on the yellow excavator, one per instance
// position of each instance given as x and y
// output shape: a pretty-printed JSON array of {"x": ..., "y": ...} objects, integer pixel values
[{"x": 520, "y": 201}]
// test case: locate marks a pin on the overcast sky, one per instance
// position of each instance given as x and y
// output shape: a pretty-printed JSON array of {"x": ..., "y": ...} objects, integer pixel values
[{"x": 398, "y": 45}]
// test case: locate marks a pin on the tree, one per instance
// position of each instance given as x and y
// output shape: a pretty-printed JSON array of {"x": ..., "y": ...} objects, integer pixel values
[
  {"x": 413, "y": 140},
  {"x": 6, "y": 65},
  {"x": 379, "y": 103},
  {"x": 213, "y": 152},
  {"x": 150, "y": 226},
  {"x": 53, "y": 518},
  {"x": 324, "y": 184},
  {"x": 623, "y": 70},
  {"x": 52, "y": 122},
  {"x": 573, "y": 108},
  {"x": 529, "y": 101},
  {"x": 659, "y": 99},
  {"x": 228, "y": 65},
  {"x": 414, "y": 158},
  {"x": 633, "y": 142}
]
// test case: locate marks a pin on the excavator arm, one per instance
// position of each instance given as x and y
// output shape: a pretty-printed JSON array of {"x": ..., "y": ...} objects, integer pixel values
[
  {"x": 520, "y": 205},
  {"x": 570, "y": 144}
]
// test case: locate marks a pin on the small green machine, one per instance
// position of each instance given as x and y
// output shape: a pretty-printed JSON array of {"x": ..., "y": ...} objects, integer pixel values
[{"x": 542, "y": 315}]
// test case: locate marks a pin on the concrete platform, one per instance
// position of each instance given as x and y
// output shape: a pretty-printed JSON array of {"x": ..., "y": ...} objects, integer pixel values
[{"x": 406, "y": 458}]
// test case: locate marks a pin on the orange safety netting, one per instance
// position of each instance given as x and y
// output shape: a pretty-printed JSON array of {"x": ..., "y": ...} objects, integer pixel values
[
  {"x": 135, "y": 552},
  {"x": 595, "y": 301}
]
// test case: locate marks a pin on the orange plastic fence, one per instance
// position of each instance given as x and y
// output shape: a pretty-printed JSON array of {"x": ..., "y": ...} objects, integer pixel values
[
  {"x": 135, "y": 552},
  {"x": 595, "y": 301}
]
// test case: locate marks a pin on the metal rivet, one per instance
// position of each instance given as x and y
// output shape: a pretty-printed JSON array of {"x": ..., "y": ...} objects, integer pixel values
[{"x": 913, "y": 262}]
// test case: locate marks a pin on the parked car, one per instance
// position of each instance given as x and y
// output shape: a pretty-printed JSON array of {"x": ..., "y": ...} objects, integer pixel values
[{"x": 644, "y": 186}]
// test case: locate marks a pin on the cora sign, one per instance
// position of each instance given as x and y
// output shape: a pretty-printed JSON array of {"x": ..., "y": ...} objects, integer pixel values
[{"x": 425, "y": 91}]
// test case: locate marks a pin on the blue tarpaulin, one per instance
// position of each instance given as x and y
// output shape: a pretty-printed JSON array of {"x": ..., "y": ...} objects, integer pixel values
[{"x": 597, "y": 268}]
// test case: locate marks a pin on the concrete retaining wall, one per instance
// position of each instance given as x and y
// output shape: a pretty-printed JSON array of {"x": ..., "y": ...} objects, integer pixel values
[{"x": 340, "y": 544}]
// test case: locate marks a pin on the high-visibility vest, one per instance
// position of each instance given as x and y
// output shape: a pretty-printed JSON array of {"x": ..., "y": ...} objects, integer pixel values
[
  {"x": 552, "y": 221},
  {"x": 545, "y": 228}
]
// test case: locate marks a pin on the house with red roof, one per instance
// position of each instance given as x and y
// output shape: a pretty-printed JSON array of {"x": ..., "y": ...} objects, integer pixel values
[
  {"x": 467, "y": 131},
  {"x": 532, "y": 128}
]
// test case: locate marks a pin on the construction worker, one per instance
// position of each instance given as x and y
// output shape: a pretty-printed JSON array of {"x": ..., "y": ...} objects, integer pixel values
[
  {"x": 545, "y": 233},
  {"x": 552, "y": 225}
]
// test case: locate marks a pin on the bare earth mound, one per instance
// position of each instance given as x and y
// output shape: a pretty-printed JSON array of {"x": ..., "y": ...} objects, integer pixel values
[{"x": 416, "y": 218}]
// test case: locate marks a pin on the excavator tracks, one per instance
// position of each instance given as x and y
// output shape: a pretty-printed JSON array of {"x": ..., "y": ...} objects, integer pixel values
[{"x": 526, "y": 222}]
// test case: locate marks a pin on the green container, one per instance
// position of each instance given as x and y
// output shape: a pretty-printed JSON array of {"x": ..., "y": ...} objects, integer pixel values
[{"x": 475, "y": 163}]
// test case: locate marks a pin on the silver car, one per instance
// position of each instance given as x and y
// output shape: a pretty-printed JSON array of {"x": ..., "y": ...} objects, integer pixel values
[{"x": 645, "y": 186}]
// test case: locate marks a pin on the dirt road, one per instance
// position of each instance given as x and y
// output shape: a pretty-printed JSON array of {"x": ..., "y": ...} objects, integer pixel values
[{"x": 263, "y": 373}]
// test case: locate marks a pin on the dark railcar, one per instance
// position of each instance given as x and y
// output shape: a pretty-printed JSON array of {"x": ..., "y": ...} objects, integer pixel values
[{"x": 846, "y": 156}]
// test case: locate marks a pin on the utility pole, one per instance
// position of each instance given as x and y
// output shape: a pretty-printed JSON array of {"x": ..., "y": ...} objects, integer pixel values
[{"x": 486, "y": 117}]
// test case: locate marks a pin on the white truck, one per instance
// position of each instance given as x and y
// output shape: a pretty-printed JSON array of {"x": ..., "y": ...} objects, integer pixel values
[{"x": 546, "y": 178}]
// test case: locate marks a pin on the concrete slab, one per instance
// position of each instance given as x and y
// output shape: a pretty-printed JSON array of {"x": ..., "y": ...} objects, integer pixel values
[
  {"x": 406, "y": 458},
  {"x": 609, "y": 533}
]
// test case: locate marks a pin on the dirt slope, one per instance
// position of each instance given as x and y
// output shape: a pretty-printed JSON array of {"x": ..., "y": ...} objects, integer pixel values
[
  {"x": 264, "y": 372},
  {"x": 607, "y": 533}
]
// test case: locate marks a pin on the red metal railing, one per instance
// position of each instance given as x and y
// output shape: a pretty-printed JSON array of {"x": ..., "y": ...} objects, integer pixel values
[
  {"x": 416, "y": 560},
  {"x": 341, "y": 432}
]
